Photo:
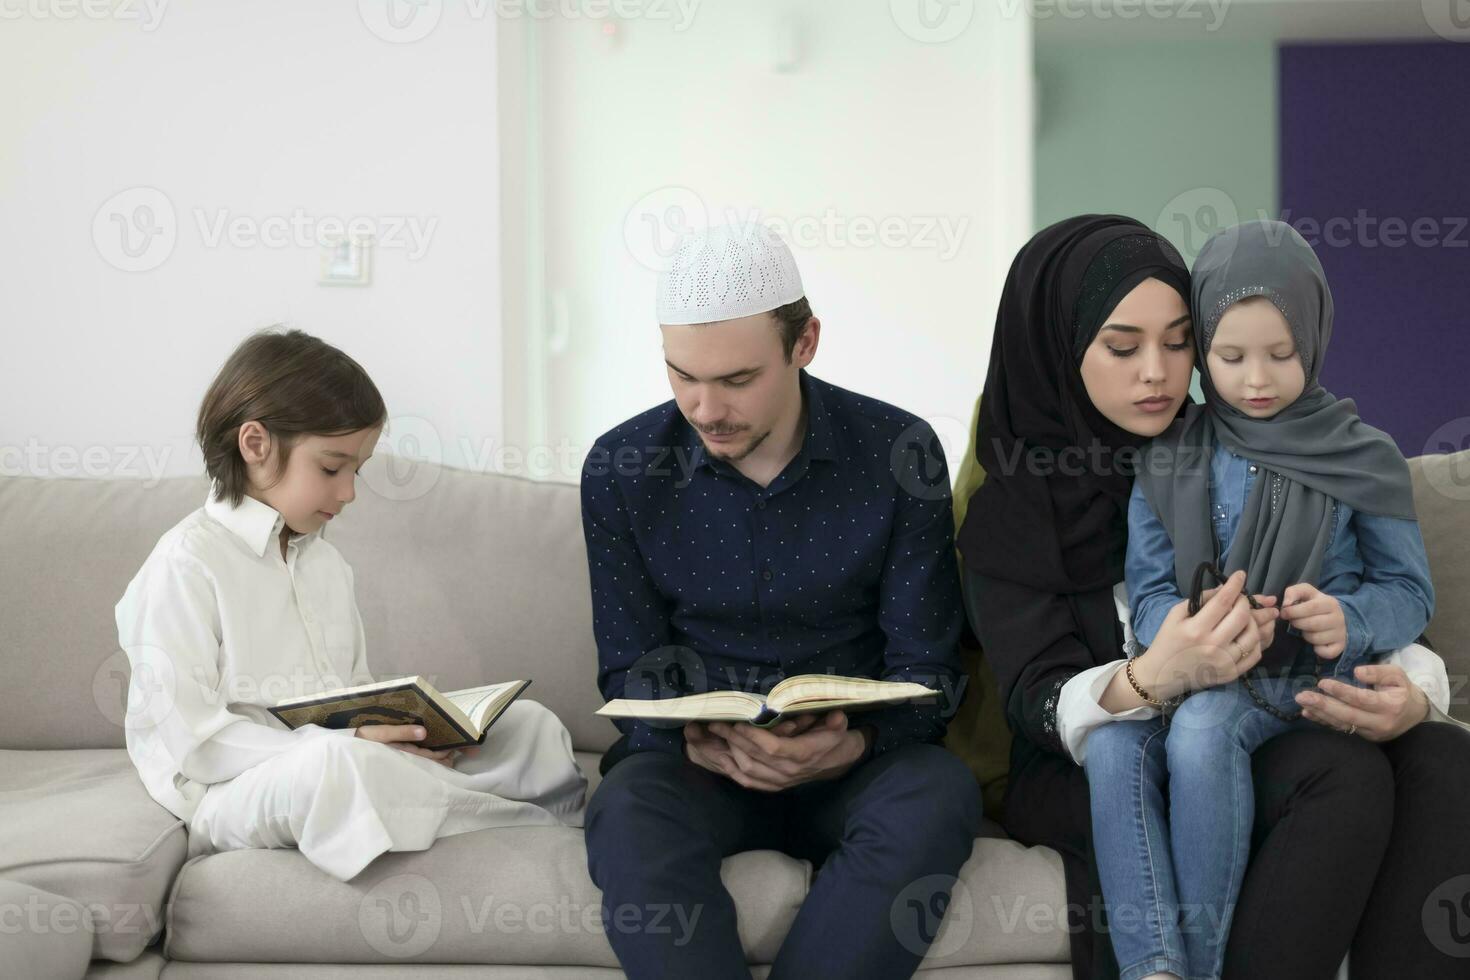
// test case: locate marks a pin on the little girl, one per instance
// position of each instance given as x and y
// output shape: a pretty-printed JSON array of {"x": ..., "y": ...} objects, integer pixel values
[
  {"x": 244, "y": 603},
  {"x": 1283, "y": 482}
]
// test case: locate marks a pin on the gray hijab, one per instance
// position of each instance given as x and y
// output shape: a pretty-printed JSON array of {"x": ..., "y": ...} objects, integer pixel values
[{"x": 1314, "y": 451}]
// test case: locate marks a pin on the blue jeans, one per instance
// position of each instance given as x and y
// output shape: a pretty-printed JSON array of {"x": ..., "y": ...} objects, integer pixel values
[{"x": 1171, "y": 867}]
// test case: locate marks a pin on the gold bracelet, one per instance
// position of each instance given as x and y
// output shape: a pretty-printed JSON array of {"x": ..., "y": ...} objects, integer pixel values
[{"x": 1138, "y": 689}]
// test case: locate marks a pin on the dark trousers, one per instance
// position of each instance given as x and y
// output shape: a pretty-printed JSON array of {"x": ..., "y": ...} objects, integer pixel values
[
  {"x": 888, "y": 840},
  {"x": 1417, "y": 923},
  {"x": 1324, "y": 817},
  {"x": 1392, "y": 878}
]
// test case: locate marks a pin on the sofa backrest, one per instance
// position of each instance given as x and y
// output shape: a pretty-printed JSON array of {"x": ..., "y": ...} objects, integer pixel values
[
  {"x": 1442, "y": 499},
  {"x": 465, "y": 578}
]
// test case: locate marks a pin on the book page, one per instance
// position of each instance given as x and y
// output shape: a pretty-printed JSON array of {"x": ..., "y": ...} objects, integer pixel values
[
  {"x": 710, "y": 706},
  {"x": 479, "y": 703},
  {"x": 814, "y": 691}
]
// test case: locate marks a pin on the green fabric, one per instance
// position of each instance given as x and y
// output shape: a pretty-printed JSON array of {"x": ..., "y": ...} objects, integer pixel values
[
  {"x": 971, "y": 474},
  {"x": 978, "y": 733}
]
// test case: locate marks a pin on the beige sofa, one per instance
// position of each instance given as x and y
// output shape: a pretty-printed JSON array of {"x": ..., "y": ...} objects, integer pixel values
[{"x": 464, "y": 577}]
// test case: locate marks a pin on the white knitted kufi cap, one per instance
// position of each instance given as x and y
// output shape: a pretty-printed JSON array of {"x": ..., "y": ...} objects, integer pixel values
[{"x": 725, "y": 273}]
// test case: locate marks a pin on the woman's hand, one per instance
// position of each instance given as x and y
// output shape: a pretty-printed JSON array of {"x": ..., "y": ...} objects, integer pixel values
[
  {"x": 1214, "y": 646},
  {"x": 402, "y": 737},
  {"x": 1265, "y": 617},
  {"x": 1391, "y": 707}
]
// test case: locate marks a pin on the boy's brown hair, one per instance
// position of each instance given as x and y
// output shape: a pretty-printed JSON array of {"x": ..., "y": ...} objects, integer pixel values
[{"x": 292, "y": 383}]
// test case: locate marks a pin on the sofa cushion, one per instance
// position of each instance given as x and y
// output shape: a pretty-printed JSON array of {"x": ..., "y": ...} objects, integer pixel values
[
  {"x": 523, "y": 896},
  {"x": 149, "y": 966},
  {"x": 1009, "y": 907},
  {"x": 463, "y": 971},
  {"x": 79, "y": 543},
  {"x": 79, "y": 823},
  {"x": 42, "y": 936},
  {"x": 1442, "y": 499},
  {"x": 509, "y": 895}
]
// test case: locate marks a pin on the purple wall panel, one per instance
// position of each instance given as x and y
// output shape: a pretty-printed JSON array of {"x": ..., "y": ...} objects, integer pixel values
[{"x": 1374, "y": 139}]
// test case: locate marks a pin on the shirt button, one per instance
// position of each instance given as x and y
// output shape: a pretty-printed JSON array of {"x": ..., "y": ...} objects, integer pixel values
[
  {"x": 1252, "y": 468},
  {"x": 760, "y": 503},
  {"x": 767, "y": 575}
]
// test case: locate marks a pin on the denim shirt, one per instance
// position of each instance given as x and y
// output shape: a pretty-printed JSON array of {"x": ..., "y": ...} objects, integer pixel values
[{"x": 1375, "y": 567}]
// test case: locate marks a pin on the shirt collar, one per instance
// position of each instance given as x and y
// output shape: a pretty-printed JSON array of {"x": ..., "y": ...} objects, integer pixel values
[
  {"x": 819, "y": 442},
  {"x": 252, "y": 521}
]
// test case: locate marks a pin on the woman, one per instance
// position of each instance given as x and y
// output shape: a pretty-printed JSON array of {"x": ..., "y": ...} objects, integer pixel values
[{"x": 1091, "y": 357}]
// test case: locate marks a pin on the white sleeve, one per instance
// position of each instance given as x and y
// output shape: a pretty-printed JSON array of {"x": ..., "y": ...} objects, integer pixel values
[
  {"x": 360, "y": 673},
  {"x": 1079, "y": 708},
  {"x": 1426, "y": 670},
  {"x": 244, "y": 744},
  {"x": 168, "y": 623}
]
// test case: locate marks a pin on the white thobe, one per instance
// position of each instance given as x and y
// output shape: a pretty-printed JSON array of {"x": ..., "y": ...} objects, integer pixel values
[{"x": 217, "y": 627}]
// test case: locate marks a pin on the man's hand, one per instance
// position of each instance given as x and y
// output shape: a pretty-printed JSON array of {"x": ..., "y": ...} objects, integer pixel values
[
  {"x": 799, "y": 750},
  {"x": 1318, "y": 617},
  {"x": 402, "y": 737}
]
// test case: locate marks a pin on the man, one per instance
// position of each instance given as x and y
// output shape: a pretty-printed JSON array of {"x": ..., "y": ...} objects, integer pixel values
[{"x": 765, "y": 524}]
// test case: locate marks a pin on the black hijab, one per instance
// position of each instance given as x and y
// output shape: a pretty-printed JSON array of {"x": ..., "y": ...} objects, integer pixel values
[{"x": 1056, "y": 531}]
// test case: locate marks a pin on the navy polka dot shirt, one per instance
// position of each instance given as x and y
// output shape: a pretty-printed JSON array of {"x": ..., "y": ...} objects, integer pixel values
[{"x": 845, "y": 564}]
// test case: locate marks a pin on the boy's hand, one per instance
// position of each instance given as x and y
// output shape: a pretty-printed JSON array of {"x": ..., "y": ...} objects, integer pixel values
[
  {"x": 1318, "y": 617},
  {"x": 402, "y": 737}
]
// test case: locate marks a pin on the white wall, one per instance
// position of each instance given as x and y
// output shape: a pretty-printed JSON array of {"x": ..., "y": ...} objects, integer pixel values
[
  {"x": 871, "y": 123},
  {"x": 265, "y": 110},
  {"x": 253, "y": 110}
]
